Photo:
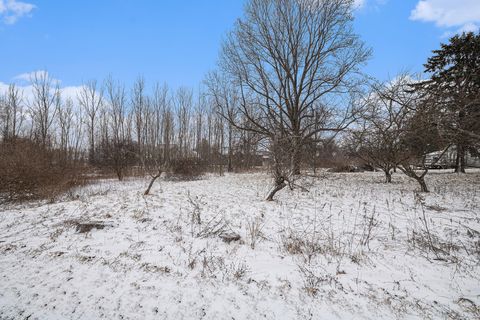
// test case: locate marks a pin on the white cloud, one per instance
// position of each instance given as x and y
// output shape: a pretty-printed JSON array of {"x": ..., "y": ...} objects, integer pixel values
[
  {"x": 24, "y": 84},
  {"x": 12, "y": 10},
  {"x": 27, "y": 96},
  {"x": 463, "y": 15},
  {"x": 28, "y": 76},
  {"x": 71, "y": 92},
  {"x": 469, "y": 27}
]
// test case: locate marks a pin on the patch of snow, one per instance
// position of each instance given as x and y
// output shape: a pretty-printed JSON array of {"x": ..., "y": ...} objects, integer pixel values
[{"x": 351, "y": 247}]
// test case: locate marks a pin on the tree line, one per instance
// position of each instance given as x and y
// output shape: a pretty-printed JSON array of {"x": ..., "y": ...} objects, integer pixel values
[{"x": 108, "y": 128}]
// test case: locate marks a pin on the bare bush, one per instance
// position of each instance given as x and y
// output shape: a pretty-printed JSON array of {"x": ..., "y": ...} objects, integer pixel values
[
  {"x": 117, "y": 156},
  {"x": 216, "y": 267},
  {"x": 428, "y": 242},
  {"x": 216, "y": 226},
  {"x": 186, "y": 169},
  {"x": 30, "y": 171},
  {"x": 306, "y": 243},
  {"x": 195, "y": 215},
  {"x": 254, "y": 231},
  {"x": 370, "y": 223},
  {"x": 313, "y": 282},
  {"x": 318, "y": 238}
]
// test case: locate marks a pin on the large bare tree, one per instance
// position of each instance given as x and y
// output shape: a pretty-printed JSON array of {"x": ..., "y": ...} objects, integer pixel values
[{"x": 290, "y": 60}]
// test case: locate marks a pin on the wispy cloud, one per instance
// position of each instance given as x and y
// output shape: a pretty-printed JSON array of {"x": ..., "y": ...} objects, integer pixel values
[
  {"x": 458, "y": 15},
  {"x": 28, "y": 76},
  {"x": 12, "y": 10},
  {"x": 24, "y": 84}
]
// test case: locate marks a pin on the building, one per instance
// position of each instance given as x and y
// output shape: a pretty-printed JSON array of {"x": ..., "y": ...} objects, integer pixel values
[{"x": 446, "y": 159}]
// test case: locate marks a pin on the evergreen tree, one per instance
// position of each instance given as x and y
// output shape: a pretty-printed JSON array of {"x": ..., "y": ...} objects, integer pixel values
[{"x": 453, "y": 92}]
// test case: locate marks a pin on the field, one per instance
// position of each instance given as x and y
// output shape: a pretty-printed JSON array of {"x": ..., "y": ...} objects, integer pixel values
[{"x": 351, "y": 247}]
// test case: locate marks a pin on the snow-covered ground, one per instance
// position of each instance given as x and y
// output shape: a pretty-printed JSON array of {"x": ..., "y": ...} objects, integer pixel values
[{"x": 350, "y": 248}]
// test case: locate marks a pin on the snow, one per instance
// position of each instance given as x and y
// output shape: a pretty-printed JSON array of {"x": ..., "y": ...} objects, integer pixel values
[{"x": 350, "y": 248}]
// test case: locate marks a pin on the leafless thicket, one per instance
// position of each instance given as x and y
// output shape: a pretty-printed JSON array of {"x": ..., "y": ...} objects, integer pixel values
[{"x": 109, "y": 128}]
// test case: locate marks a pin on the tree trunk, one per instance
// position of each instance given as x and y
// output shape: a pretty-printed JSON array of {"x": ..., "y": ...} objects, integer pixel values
[
  {"x": 279, "y": 185},
  {"x": 230, "y": 151},
  {"x": 460, "y": 160},
  {"x": 295, "y": 154},
  {"x": 155, "y": 177},
  {"x": 91, "y": 154},
  {"x": 91, "y": 151},
  {"x": 295, "y": 161},
  {"x": 229, "y": 164},
  {"x": 388, "y": 176},
  {"x": 409, "y": 171},
  {"x": 119, "y": 174},
  {"x": 423, "y": 185}
]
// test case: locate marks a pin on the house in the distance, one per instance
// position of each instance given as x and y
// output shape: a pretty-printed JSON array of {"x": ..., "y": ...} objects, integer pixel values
[{"x": 446, "y": 159}]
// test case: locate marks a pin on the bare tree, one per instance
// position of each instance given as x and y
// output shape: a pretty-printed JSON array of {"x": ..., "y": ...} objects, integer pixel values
[
  {"x": 157, "y": 107},
  {"x": 91, "y": 100},
  {"x": 140, "y": 110},
  {"x": 77, "y": 135},
  {"x": 408, "y": 128},
  {"x": 226, "y": 99},
  {"x": 152, "y": 152},
  {"x": 45, "y": 105},
  {"x": 184, "y": 104},
  {"x": 13, "y": 116},
  {"x": 419, "y": 138},
  {"x": 65, "y": 122},
  {"x": 118, "y": 151},
  {"x": 290, "y": 59},
  {"x": 376, "y": 139}
]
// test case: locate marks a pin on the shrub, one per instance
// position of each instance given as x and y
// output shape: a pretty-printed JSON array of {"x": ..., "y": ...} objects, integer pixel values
[
  {"x": 187, "y": 169},
  {"x": 118, "y": 156},
  {"x": 345, "y": 168},
  {"x": 30, "y": 171}
]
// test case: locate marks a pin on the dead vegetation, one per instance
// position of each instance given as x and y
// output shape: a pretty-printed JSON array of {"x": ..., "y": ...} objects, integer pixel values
[
  {"x": 255, "y": 231},
  {"x": 29, "y": 171},
  {"x": 314, "y": 283},
  {"x": 216, "y": 226},
  {"x": 86, "y": 226}
]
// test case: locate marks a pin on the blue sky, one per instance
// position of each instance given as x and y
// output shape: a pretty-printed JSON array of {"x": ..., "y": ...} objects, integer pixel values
[{"x": 177, "y": 41}]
